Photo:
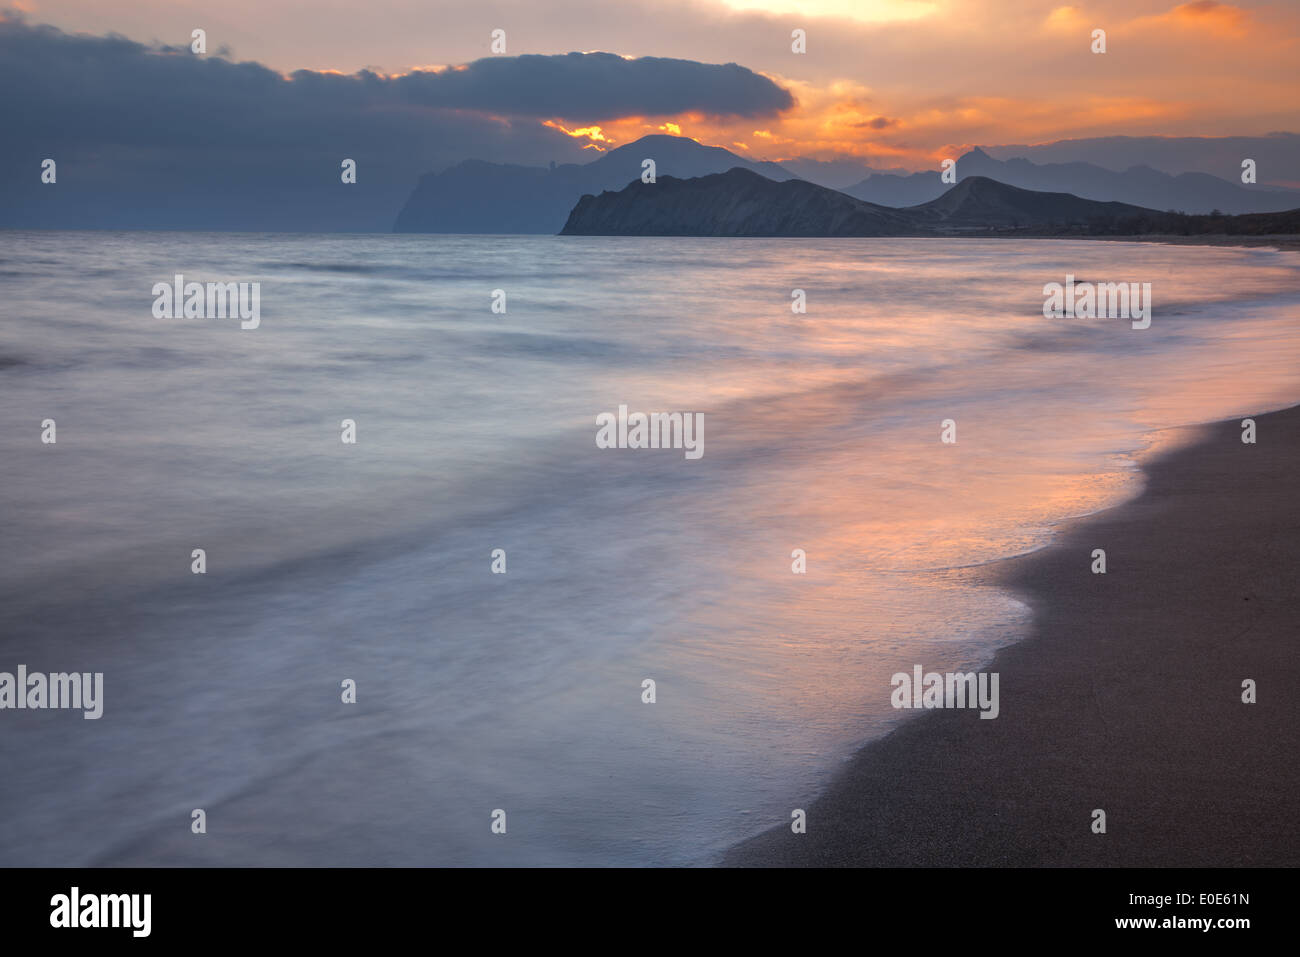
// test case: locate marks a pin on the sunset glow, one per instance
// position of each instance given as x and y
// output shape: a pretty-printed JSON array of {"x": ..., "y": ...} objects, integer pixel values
[{"x": 896, "y": 81}]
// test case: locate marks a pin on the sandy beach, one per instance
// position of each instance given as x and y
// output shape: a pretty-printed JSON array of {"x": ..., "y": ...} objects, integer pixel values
[{"x": 1126, "y": 698}]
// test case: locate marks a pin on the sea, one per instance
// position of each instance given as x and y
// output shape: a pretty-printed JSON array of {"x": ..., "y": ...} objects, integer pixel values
[{"x": 497, "y": 591}]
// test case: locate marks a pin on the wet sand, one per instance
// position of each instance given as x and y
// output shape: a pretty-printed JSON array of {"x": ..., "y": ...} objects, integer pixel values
[{"x": 1127, "y": 696}]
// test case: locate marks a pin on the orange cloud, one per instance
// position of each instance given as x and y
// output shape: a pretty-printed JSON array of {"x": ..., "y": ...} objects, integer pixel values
[
  {"x": 1207, "y": 15},
  {"x": 1064, "y": 19},
  {"x": 832, "y": 127}
]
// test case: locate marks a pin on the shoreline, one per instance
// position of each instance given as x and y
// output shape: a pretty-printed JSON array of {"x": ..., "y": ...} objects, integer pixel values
[
  {"x": 1277, "y": 242},
  {"x": 1125, "y": 696}
]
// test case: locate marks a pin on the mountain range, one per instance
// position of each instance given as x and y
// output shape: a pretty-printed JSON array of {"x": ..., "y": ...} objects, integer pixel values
[
  {"x": 742, "y": 203},
  {"x": 1277, "y": 155},
  {"x": 481, "y": 197},
  {"x": 1138, "y": 185}
]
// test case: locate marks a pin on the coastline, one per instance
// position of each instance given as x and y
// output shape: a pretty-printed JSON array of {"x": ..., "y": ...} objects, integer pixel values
[
  {"x": 1275, "y": 241},
  {"x": 1125, "y": 696}
]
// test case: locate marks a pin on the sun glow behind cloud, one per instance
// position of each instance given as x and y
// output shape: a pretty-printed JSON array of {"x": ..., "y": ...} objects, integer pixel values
[
  {"x": 891, "y": 113},
  {"x": 593, "y": 134}
]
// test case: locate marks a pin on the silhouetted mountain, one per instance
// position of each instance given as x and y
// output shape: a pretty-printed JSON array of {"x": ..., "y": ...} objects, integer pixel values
[
  {"x": 735, "y": 203},
  {"x": 980, "y": 203},
  {"x": 480, "y": 197},
  {"x": 1277, "y": 154},
  {"x": 835, "y": 174},
  {"x": 899, "y": 189},
  {"x": 742, "y": 203},
  {"x": 1138, "y": 186}
]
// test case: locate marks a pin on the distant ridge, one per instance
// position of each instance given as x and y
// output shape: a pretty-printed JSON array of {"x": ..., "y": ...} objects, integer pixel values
[
  {"x": 980, "y": 203},
  {"x": 476, "y": 196},
  {"x": 738, "y": 202},
  {"x": 480, "y": 197},
  {"x": 742, "y": 203},
  {"x": 1139, "y": 186}
]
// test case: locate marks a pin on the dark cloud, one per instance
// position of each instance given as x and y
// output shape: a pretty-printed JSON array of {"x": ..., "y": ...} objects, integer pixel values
[
  {"x": 166, "y": 137},
  {"x": 592, "y": 86}
]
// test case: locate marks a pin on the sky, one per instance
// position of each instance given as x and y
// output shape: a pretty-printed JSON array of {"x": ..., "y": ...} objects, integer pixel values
[
  {"x": 888, "y": 83},
  {"x": 251, "y": 132}
]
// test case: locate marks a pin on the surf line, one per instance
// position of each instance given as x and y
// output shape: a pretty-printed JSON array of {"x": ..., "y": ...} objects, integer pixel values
[{"x": 1106, "y": 300}]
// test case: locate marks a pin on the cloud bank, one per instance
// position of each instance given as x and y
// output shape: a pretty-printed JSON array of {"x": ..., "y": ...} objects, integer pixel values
[{"x": 168, "y": 137}]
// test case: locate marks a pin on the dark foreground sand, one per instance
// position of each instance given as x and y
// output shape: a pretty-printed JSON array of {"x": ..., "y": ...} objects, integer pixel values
[{"x": 1127, "y": 697}]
